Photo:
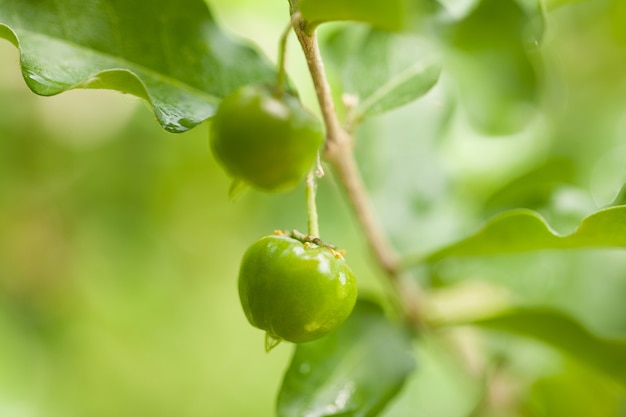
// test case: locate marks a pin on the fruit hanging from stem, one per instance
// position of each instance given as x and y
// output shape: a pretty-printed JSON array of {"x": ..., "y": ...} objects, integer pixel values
[
  {"x": 264, "y": 137},
  {"x": 296, "y": 291}
]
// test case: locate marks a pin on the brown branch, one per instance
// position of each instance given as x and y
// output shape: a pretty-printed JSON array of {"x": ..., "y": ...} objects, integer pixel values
[{"x": 339, "y": 153}]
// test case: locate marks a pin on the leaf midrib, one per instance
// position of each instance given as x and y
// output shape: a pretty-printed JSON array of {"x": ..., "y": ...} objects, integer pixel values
[{"x": 395, "y": 82}]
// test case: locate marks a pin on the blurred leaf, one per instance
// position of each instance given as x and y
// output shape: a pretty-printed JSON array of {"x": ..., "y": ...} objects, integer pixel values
[
  {"x": 389, "y": 15},
  {"x": 172, "y": 55},
  {"x": 595, "y": 395},
  {"x": 618, "y": 17},
  {"x": 383, "y": 70},
  {"x": 554, "y": 4},
  {"x": 535, "y": 188},
  {"x": 354, "y": 371},
  {"x": 620, "y": 199},
  {"x": 440, "y": 377},
  {"x": 490, "y": 59},
  {"x": 565, "y": 334},
  {"x": 525, "y": 230}
]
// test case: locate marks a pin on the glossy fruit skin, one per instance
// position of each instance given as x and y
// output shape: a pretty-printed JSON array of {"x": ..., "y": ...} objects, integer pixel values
[
  {"x": 293, "y": 291},
  {"x": 265, "y": 138}
]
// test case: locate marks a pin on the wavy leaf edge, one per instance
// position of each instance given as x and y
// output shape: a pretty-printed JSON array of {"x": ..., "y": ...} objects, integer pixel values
[
  {"x": 578, "y": 238},
  {"x": 91, "y": 82}
]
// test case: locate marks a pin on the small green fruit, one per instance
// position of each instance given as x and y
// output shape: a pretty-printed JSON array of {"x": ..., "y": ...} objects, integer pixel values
[
  {"x": 265, "y": 138},
  {"x": 295, "y": 291}
]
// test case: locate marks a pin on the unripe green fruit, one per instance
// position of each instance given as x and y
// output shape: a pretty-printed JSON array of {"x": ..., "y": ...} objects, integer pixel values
[
  {"x": 295, "y": 291},
  {"x": 265, "y": 138}
]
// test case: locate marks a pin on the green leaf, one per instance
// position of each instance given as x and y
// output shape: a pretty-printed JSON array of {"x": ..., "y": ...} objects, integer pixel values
[
  {"x": 173, "y": 55},
  {"x": 535, "y": 188},
  {"x": 562, "y": 332},
  {"x": 492, "y": 64},
  {"x": 525, "y": 230},
  {"x": 555, "y": 4},
  {"x": 620, "y": 198},
  {"x": 596, "y": 396},
  {"x": 354, "y": 371},
  {"x": 383, "y": 70},
  {"x": 391, "y": 15}
]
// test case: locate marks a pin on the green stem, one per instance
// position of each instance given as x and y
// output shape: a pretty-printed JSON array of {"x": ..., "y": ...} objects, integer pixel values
[
  {"x": 311, "y": 204},
  {"x": 281, "y": 77}
]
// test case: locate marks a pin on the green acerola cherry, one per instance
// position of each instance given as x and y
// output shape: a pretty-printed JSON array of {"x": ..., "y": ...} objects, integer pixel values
[
  {"x": 295, "y": 291},
  {"x": 265, "y": 138}
]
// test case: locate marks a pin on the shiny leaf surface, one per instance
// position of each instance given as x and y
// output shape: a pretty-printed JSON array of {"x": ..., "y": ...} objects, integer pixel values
[
  {"x": 173, "y": 56},
  {"x": 354, "y": 371}
]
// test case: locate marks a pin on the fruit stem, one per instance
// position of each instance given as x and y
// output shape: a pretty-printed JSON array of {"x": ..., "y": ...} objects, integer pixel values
[
  {"x": 311, "y": 204},
  {"x": 339, "y": 152},
  {"x": 281, "y": 77}
]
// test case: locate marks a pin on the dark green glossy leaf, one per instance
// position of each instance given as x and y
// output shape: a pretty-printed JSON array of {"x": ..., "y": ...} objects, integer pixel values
[
  {"x": 389, "y": 14},
  {"x": 383, "y": 70},
  {"x": 525, "y": 230},
  {"x": 173, "y": 55},
  {"x": 491, "y": 62},
  {"x": 354, "y": 371},
  {"x": 560, "y": 331}
]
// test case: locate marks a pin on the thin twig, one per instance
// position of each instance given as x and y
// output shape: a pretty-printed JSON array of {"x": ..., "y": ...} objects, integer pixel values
[{"x": 281, "y": 78}]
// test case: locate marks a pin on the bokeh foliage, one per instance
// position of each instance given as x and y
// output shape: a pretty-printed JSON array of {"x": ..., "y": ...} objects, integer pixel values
[{"x": 119, "y": 247}]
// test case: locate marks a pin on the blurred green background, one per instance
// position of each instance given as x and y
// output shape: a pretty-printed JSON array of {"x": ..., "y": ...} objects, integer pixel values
[{"x": 119, "y": 247}]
